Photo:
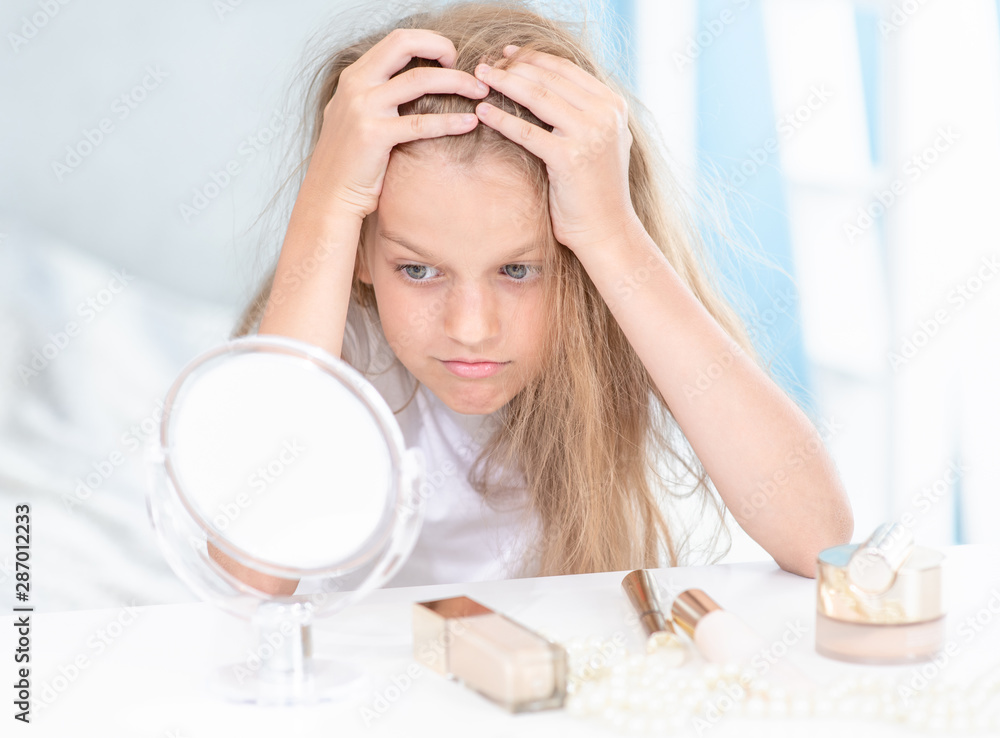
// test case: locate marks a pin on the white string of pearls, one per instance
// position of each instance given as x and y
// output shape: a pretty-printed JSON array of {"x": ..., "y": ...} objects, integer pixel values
[{"x": 645, "y": 693}]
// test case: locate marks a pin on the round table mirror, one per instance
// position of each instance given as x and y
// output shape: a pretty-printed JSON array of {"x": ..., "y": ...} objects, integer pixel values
[{"x": 281, "y": 490}]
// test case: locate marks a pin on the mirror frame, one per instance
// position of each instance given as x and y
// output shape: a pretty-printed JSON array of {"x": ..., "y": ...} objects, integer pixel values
[{"x": 309, "y": 357}]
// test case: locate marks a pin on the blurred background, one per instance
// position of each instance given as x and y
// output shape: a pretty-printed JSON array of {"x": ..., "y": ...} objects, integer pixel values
[{"x": 854, "y": 146}]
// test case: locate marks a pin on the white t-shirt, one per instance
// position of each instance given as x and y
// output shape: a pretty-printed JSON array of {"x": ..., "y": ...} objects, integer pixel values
[{"x": 462, "y": 539}]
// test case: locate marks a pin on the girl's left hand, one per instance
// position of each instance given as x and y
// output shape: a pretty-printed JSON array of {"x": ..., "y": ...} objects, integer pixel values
[{"x": 586, "y": 153}]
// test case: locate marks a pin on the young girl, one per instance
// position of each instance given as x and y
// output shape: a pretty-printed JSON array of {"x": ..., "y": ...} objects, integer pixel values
[{"x": 482, "y": 230}]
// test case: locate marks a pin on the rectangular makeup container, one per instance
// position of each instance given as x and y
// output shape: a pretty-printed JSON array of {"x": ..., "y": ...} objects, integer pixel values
[{"x": 490, "y": 653}]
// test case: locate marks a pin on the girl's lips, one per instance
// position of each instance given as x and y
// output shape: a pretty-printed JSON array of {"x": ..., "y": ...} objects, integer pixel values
[{"x": 474, "y": 371}]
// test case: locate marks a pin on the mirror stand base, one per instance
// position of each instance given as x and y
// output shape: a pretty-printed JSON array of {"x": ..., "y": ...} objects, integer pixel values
[
  {"x": 282, "y": 670},
  {"x": 318, "y": 682}
]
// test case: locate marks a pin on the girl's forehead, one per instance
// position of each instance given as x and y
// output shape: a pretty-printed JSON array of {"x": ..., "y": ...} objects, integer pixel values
[{"x": 490, "y": 193}]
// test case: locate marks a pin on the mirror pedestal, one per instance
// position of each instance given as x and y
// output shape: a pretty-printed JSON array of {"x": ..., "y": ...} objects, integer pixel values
[{"x": 281, "y": 670}]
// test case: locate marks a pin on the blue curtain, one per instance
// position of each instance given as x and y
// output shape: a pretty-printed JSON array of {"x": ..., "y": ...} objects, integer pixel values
[
  {"x": 735, "y": 117},
  {"x": 735, "y": 122},
  {"x": 623, "y": 21},
  {"x": 612, "y": 21},
  {"x": 866, "y": 23}
]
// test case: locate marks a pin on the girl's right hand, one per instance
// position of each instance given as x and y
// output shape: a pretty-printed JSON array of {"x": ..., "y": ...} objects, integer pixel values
[{"x": 361, "y": 123}]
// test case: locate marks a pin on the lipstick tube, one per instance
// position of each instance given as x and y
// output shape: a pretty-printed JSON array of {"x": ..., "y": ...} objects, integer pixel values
[
  {"x": 720, "y": 636},
  {"x": 642, "y": 592},
  {"x": 724, "y": 638}
]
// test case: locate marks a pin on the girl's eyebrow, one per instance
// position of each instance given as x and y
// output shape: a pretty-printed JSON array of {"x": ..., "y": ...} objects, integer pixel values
[{"x": 396, "y": 238}]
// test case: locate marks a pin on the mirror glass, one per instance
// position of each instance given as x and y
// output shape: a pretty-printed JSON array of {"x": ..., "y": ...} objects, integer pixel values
[{"x": 285, "y": 464}]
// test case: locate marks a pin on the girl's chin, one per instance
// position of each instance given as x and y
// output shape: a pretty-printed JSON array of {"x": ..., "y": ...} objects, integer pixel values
[
  {"x": 467, "y": 406},
  {"x": 470, "y": 401}
]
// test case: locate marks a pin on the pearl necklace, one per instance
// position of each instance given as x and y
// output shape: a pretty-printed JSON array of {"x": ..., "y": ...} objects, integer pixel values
[{"x": 641, "y": 693}]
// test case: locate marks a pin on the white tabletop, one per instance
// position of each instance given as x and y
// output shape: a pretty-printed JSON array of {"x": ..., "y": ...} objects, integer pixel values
[{"x": 142, "y": 672}]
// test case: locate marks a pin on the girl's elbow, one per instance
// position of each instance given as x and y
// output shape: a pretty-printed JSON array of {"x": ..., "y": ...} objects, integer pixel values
[{"x": 836, "y": 529}]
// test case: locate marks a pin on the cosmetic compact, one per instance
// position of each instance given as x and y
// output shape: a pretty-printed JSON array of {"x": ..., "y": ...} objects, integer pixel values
[
  {"x": 501, "y": 659},
  {"x": 879, "y": 602}
]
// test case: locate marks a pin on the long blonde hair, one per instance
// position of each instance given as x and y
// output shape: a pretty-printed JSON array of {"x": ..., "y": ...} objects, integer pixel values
[{"x": 589, "y": 432}]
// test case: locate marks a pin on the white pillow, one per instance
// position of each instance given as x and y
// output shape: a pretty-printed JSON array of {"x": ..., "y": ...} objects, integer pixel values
[{"x": 90, "y": 351}]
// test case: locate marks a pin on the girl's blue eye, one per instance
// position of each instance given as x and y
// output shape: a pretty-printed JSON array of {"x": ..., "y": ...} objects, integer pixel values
[
  {"x": 521, "y": 273},
  {"x": 517, "y": 272},
  {"x": 404, "y": 267}
]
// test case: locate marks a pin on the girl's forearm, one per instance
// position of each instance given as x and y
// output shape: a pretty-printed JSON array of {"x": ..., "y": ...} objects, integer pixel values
[
  {"x": 764, "y": 456},
  {"x": 312, "y": 281}
]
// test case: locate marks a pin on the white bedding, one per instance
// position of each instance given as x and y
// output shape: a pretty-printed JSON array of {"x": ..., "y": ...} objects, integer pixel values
[{"x": 108, "y": 347}]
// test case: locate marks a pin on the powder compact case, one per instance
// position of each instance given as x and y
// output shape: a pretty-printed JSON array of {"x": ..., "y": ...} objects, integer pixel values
[{"x": 879, "y": 602}]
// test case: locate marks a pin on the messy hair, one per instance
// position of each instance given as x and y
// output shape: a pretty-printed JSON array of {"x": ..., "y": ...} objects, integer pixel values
[{"x": 593, "y": 438}]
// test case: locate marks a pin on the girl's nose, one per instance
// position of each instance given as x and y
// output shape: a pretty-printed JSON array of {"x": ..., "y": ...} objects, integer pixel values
[{"x": 470, "y": 317}]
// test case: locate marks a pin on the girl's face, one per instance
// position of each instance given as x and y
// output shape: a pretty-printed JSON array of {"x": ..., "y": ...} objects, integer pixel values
[{"x": 456, "y": 264}]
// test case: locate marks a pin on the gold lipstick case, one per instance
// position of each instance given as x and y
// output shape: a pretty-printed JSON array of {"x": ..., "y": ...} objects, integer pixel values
[
  {"x": 490, "y": 653},
  {"x": 641, "y": 589}
]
